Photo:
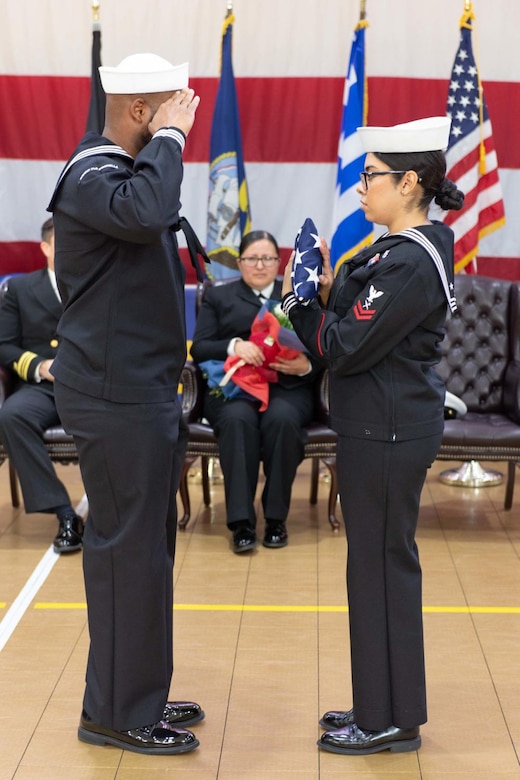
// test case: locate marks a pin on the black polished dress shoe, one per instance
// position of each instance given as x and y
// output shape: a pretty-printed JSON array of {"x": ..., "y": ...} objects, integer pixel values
[
  {"x": 158, "y": 739},
  {"x": 244, "y": 539},
  {"x": 70, "y": 534},
  {"x": 353, "y": 741},
  {"x": 182, "y": 713},
  {"x": 275, "y": 534},
  {"x": 337, "y": 719}
]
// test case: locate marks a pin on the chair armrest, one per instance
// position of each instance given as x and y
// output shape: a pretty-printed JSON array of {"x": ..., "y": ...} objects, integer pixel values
[
  {"x": 192, "y": 392},
  {"x": 6, "y": 383}
]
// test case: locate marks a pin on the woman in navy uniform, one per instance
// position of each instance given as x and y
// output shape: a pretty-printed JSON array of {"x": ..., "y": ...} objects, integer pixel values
[
  {"x": 379, "y": 325},
  {"x": 245, "y": 434}
]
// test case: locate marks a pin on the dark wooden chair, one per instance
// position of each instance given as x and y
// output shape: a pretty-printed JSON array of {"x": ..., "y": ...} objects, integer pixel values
[{"x": 481, "y": 365}]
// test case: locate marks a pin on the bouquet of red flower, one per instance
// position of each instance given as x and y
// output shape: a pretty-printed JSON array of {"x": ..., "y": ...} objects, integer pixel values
[{"x": 274, "y": 334}]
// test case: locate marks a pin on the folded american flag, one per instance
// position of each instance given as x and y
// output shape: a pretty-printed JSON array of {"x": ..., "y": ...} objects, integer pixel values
[{"x": 307, "y": 262}]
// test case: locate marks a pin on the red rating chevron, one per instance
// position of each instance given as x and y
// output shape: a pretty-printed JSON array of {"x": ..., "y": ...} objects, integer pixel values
[{"x": 361, "y": 313}]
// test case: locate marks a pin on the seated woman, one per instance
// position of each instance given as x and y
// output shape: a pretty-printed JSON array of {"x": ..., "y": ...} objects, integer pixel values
[{"x": 245, "y": 434}]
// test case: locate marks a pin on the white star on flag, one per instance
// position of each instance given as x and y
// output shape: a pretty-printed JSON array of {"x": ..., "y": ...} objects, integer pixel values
[{"x": 307, "y": 262}]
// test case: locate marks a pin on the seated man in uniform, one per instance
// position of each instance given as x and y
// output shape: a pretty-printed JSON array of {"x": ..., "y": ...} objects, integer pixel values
[{"x": 29, "y": 317}]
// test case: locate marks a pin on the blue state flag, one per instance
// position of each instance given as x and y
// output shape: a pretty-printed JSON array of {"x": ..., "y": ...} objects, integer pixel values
[
  {"x": 351, "y": 231},
  {"x": 228, "y": 203}
]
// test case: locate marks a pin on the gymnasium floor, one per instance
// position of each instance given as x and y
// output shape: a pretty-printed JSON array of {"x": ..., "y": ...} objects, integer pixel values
[{"x": 261, "y": 642}]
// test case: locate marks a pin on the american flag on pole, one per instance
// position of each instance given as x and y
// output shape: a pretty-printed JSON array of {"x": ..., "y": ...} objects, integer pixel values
[
  {"x": 228, "y": 204},
  {"x": 471, "y": 158},
  {"x": 351, "y": 231}
]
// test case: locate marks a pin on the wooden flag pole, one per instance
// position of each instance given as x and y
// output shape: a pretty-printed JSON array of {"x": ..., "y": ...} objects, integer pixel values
[{"x": 362, "y": 10}]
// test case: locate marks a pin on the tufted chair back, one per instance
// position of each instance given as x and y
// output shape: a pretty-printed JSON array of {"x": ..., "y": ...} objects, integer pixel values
[
  {"x": 481, "y": 349},
  {"x": 481, "y": 365}
]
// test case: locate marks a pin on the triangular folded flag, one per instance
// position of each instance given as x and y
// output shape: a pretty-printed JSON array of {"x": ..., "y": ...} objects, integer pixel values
[{"x": 307, "y": 262}]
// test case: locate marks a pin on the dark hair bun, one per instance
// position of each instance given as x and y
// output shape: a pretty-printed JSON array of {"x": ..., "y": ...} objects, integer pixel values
[{"x": 449, "y": 196}]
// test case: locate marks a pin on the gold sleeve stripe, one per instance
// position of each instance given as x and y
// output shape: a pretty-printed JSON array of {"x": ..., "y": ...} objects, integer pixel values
[{"x": 21, "y": 366}]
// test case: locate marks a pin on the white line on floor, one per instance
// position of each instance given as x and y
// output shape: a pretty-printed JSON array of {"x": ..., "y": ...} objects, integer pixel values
[
  {"x": 19, "y": 606},
  {"x": 17, "y": 609}
]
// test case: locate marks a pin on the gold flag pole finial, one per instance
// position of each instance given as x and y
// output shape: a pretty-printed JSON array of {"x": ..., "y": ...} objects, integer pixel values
[
  {"x": 362, "y": 10},
  {"x": 467, "y": 6},
  {"x": 95, "y": 10},
  {"x": 229, "y": 8}
]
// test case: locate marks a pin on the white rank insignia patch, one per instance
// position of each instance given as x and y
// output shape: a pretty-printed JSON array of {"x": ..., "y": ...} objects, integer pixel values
[{"x": 366, "y": 310}]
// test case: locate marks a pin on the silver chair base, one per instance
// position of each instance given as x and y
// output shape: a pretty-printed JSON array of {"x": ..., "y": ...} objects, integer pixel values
[{"x": 471, "y": 474}]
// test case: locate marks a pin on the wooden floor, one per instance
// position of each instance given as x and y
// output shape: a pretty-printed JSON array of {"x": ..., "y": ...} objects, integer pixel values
[{"x": 261, "y": 642}]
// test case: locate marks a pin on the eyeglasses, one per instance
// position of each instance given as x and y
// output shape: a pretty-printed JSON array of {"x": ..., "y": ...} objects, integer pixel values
[
  {"x": 251, "y": 262},
  {"x": 366, "y": 176}
]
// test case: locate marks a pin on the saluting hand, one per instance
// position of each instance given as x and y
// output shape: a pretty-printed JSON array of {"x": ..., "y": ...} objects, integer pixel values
[{"x": 177, "y": 111}]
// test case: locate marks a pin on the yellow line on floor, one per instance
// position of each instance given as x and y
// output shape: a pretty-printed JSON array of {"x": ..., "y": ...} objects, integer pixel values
[{"x": 291, "y": 608}]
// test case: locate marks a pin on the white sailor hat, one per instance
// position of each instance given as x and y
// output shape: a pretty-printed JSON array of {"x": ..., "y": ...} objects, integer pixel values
[
  {"x": 142, "y": 74},
  {"x": 422, "y": 135}
]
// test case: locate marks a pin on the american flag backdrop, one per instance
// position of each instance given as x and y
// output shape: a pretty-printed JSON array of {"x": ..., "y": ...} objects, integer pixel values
[
  {"x": 471, "y": 158},
  {"x": 290, "y": 58}
]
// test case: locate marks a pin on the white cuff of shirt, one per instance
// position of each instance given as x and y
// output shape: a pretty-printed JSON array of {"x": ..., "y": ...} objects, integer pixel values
[
  {"x": 231, "y": 346},
  {"x": 308, "y": 370}
]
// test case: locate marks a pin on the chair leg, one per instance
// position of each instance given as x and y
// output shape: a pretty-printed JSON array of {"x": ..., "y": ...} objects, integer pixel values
[
  {"x": 333, "y": 493},
  {"x": 315, "y": 473},
  {"x": 510, "y": 485},
  {"x": 206, "y": 493},
  {"x": 13, "y": 482},
  {"x": 184, "y": 492}
]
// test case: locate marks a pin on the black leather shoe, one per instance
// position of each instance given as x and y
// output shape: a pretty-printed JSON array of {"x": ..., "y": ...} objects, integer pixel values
[
  {"x": 159, "y": 739},
  {"x": 337, "y": 719},
  {"x": 353, "y": 741},
  {"x": 244, "y": 539},
  {"x": 275, "y": 535},
  {"x": 70, "y": 534},
  {"x": 182, "y": 713}
]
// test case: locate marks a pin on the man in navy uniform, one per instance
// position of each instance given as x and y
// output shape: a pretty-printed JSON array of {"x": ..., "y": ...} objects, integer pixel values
[
  {"x": 29, "y": 316},
  {"x": 123, "y": 346}
]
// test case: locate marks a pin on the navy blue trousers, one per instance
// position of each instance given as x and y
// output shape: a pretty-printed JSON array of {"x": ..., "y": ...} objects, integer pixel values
[
  {"x": 380, "y": 488},
  {"x": 130, "y": 457}
]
